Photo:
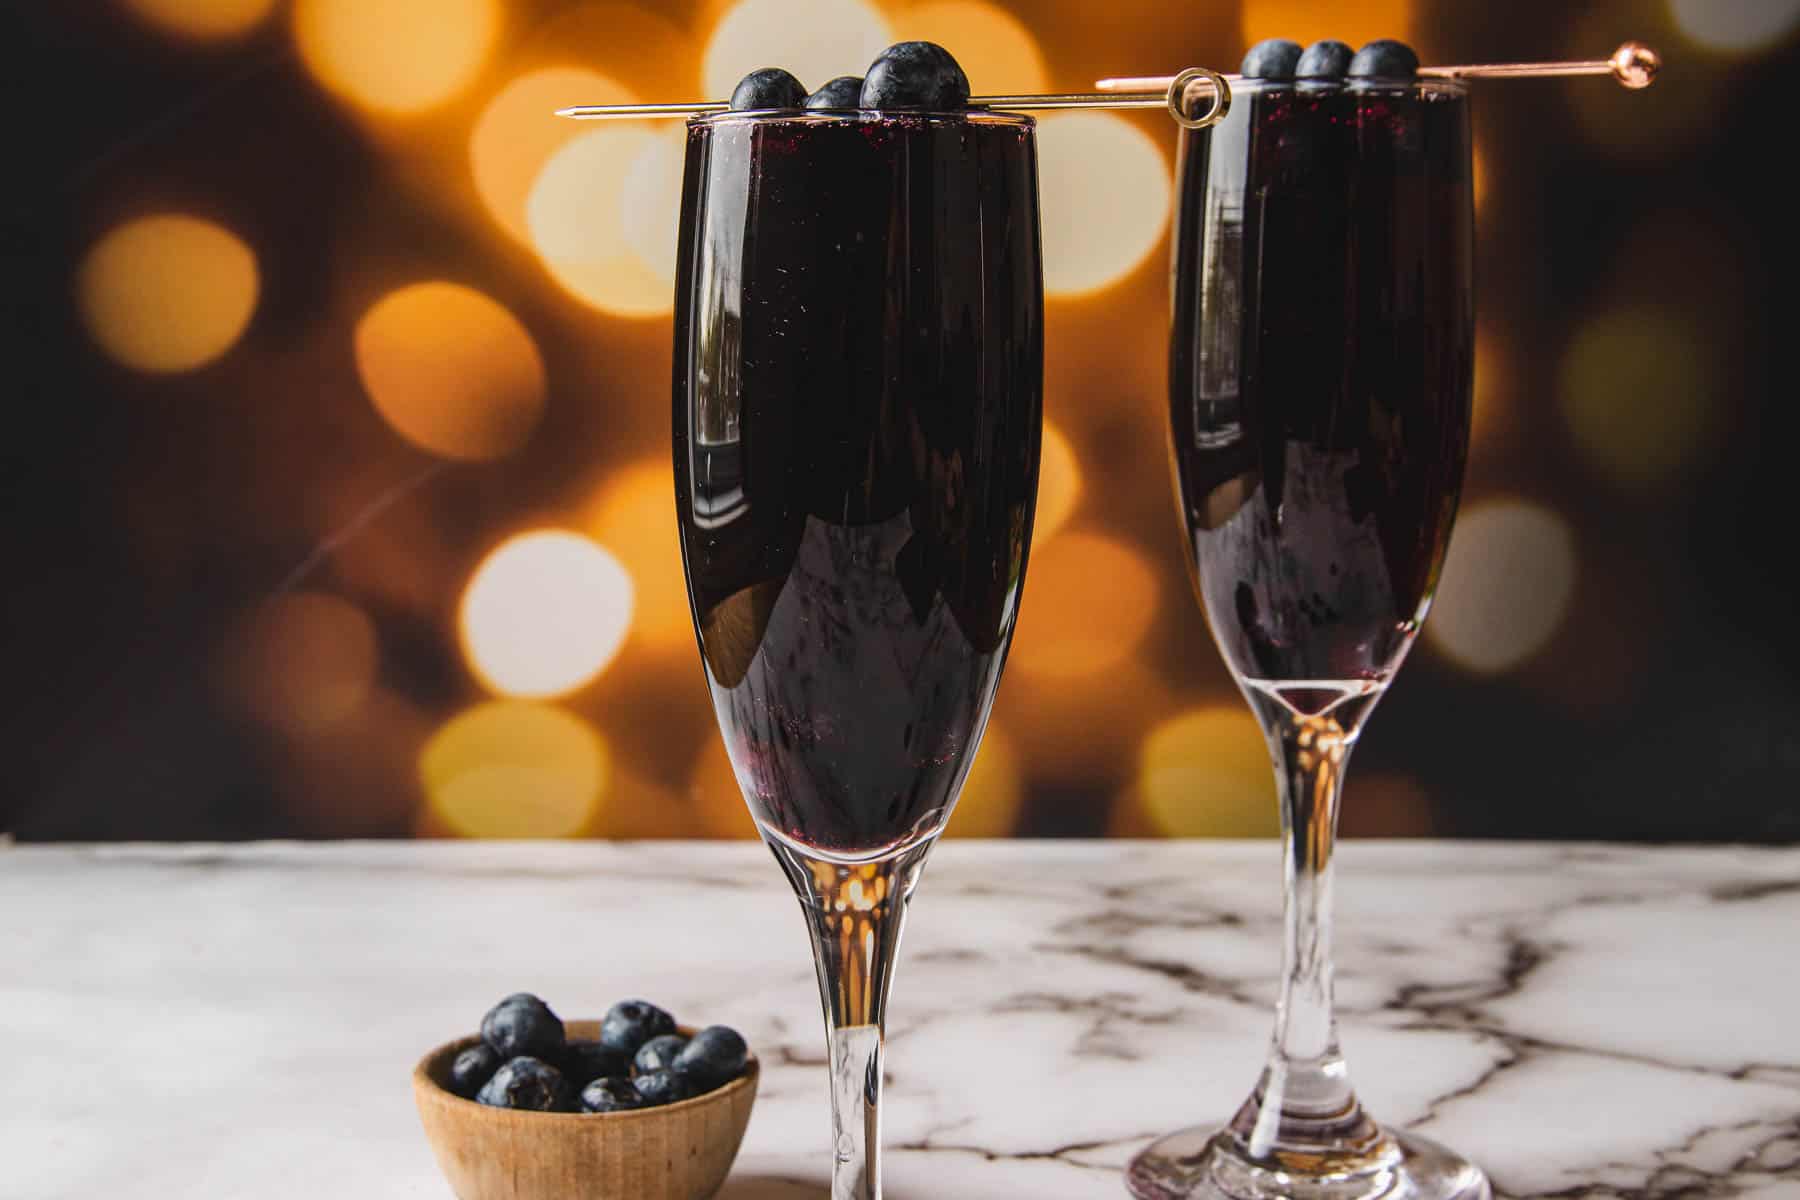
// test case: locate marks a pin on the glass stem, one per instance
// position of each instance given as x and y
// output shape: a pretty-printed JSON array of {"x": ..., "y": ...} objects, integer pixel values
[
  {"x": 1304, "y": 1109},
  {"x": 854, "y": 912}
]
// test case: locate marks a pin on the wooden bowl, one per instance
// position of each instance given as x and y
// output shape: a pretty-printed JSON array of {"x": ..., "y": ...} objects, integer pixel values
[{"x": 679, "y": 1151}]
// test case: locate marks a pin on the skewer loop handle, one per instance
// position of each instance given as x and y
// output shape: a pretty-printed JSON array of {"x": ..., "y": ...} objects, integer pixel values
[{"x": 1178, "y": 90}]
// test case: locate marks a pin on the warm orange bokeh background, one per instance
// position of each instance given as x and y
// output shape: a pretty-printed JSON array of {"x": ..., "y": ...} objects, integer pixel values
[{"x": 348, "y": 502}]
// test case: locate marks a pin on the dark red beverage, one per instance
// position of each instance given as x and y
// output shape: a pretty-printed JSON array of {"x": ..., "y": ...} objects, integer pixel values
[
  {"x": 857, "y": 403},
  {"x": 1320, "y": 374}
]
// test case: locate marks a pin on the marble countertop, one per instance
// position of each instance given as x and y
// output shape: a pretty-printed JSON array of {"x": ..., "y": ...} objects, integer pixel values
[{"x": 240, "y": 1021}]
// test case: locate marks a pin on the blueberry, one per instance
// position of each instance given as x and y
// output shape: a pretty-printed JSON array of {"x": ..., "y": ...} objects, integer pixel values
[
  {"x": 472, "y": 1068},
  {"x": 631, "y": 1023},
  {"x": 522, "y": 1024},
  {"x": 663, "y": 1087},
  {"x": 1274, "y": 58},
  {"x": 1385, "y": 59},
  {"x": 843, "y": 92},
  {"x": 915, "y": 75},
  {"x": 527, "y": 1083},
  {"x": 658, "y": 1054},
  {"x": 714, "y": 1056},
  {"x": 583, "y": 1062},
  {"x": 616, "y": 1094},
  {"x": 1324, "y": 60},
  {"x": 770, "y": 87}
]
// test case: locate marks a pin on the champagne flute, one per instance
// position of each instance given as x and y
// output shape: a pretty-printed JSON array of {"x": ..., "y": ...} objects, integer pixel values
[
  {"x": 1320, "y": 373},
  {"x": 857, "y": 415}
]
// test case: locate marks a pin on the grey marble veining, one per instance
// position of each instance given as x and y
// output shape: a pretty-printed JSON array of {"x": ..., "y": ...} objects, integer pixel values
[{"x": 240, "y": 1022}]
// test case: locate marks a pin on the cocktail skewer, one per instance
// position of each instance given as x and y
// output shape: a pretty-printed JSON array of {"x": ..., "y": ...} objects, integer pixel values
[
  {"x": 1167, "y": 94},
  {"x": 1633, "y": 64},
  {"x": 1110, "y": 99}
]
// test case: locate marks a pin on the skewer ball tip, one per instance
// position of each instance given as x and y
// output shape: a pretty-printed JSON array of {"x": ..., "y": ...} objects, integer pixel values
[{"x": 1635, "y": 65}]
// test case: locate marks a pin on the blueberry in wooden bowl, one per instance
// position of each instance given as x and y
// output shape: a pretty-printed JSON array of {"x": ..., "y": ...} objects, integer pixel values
[{"x": 533, "y": 1128}]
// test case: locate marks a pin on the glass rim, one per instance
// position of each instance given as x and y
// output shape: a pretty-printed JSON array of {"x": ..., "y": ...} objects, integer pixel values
[{"x": 855, "y": 116}]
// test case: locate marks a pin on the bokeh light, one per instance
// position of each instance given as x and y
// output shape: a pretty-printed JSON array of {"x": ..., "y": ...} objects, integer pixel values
[
  {"x": 1082, "y": 736},
  {"x": 641, "y": 48},
  {"x": 206, "y": 19},
  {"x": 1638, "y": 393},
  {"x": 451, "y": 370},
  {"x": 1088, "y": 602},
  {"x": 994, "y": 792},
  {"x": 1386, "y": 804},
  {"x": 650, "y": 204},
  {"x": 576, "y": 214},
  {"x": 815, "y": 39},
  {"x": 302, "y": 662},
  {"x": 237, "y": 268},
  {"x": 167, "y": 293},
  {"x": 642, "y": 804},
  {"x": 996, "y": 50},
  {"x": 714, "y": 796},
  {"x": 1506, "y": 586},
  {"x": 354, "y": 777},
  {"x": 1059, "y": 485},
  {"x": 1735, "y": 26},
  {"x": 1491, "y": 416},
  {"x": 635, "y": 519},
  {"x": 1206, "y": 773},
  {"x": 396, "y": 56},
  {"x": 1652, "y": 125},
  {"x": 387, "y": 539},
  {"x": 1614, "y": 639},
  {"x": 514, "y": 769},
  {"x": 545, "y": 613},
  {"x": 1307, "y": 21},
  {"x": 1105, "y": 195},
  {"x": 517, "y": 133}
]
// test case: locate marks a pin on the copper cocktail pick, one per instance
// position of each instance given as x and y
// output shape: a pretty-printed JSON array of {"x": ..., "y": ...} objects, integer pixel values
[{"x": 1633, "y": 64}]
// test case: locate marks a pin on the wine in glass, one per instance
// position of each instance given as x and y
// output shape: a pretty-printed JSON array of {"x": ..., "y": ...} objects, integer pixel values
[
  {"x": 1320, "y": 374},
  {"x": 857, "y": 414}
]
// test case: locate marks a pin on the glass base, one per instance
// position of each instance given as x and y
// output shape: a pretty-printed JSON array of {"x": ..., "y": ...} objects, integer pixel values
[{"x": 1194, "y": 1164}]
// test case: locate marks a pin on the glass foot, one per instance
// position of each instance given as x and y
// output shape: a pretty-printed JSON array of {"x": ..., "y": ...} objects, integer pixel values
[{"x": 1195, "y": 1165}]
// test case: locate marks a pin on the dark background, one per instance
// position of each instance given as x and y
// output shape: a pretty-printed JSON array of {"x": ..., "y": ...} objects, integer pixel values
[{"x": 232, "y": 589}]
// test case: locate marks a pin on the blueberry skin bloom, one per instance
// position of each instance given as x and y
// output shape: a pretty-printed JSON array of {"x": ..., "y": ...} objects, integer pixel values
[
  {"x": 631, "y": 1023},
  {"x": 1324, "y": 60},
  {"x": 1385, "y": 59},
  {"x": 1273, "y": 58},
  {"x": 843, "y": 92},
  {"x": 714, "y": 1056},
  {"x": 473, "y": 1068},
  {"x": 919, "y": 75},
  {"x": 663, "y": 1087},
  {"x": 770, "y": 87},
  {"x": 658, "y": 1054},
  {"x": 612, "y": 1095},
  {"x": 522, "y": 1024},
  {"x": 525, "y": 1083}
]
